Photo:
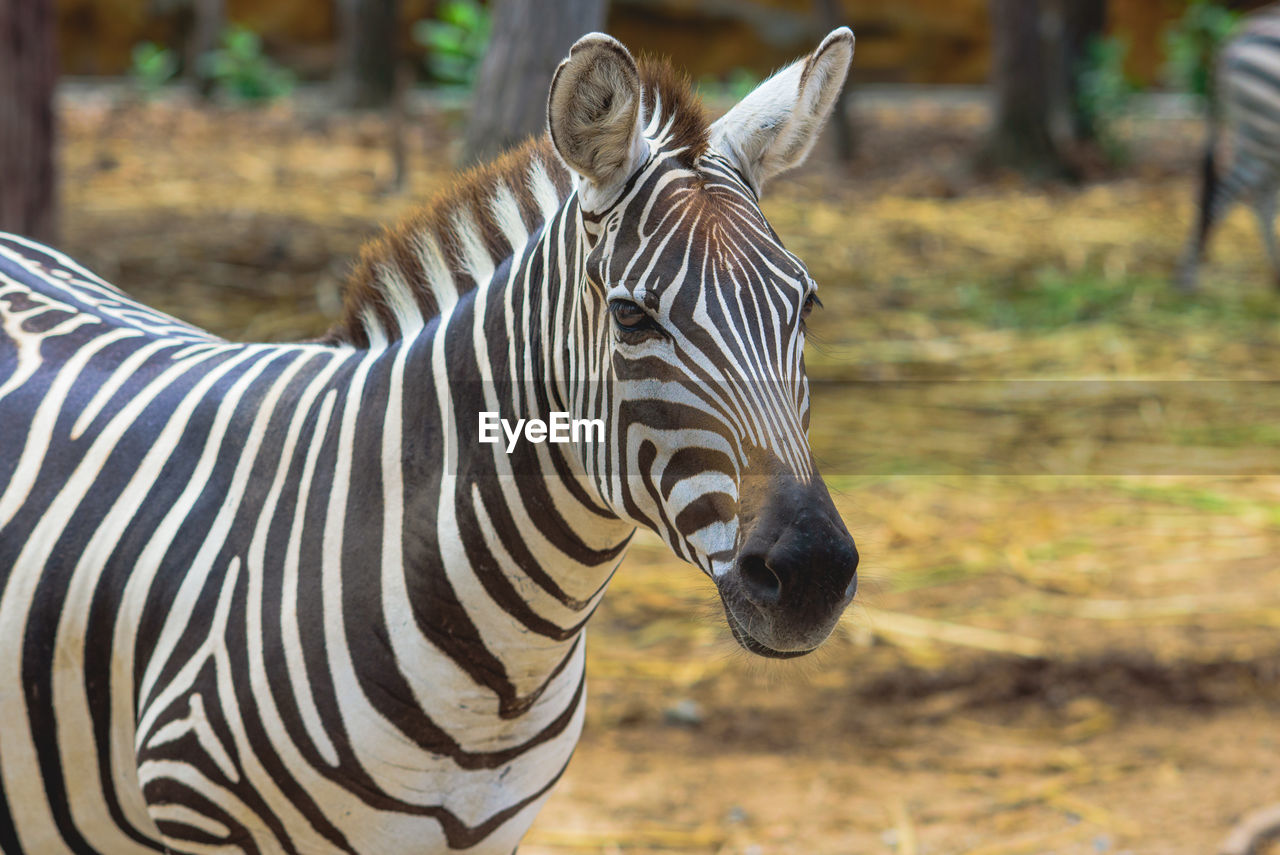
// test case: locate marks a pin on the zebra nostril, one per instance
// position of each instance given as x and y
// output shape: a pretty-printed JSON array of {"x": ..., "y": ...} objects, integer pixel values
[{"x": 762, "y": 584}]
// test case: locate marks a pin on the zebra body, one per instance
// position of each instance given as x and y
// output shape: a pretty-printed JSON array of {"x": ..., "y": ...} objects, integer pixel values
[
  {"x": 250, "y": 456},
  {"x": 1242, "y": 157},
  {"x": 278, "y": 598}
]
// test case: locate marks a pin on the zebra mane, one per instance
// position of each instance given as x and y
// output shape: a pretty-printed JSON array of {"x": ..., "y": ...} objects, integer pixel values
[{"x": 419, "y": 268}]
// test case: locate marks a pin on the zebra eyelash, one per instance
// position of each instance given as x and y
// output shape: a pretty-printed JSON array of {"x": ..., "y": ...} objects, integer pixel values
[{"x": 811, "y": 302}]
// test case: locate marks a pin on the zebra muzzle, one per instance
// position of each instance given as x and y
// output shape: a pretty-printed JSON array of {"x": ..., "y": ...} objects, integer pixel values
[{"x": 795, "y": 573}]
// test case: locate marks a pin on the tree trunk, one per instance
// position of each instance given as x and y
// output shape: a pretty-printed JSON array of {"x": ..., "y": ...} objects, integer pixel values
[
  {"x": 368, "y": 49},
  {"x": 1085, "y": 21},
  {"x": 208, "y": 18},
  {"x": 28, "y": 72},
  {"x": 529, "y": 39},
  {"x": 1037, "y": 50},
  {"x": 1019, "y": 84}
]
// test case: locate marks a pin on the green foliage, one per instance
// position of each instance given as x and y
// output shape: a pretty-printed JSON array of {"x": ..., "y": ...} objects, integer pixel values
[
  {"x": 1181, "y": 495},
  {"x": 734, "y": 86},
  {"x": 153, "y": 66},
  {"x": 740, "y": 83},
  {"x": 1049, "y": 299},
  {"x": 1046, "y": 299},
  {"x": 1104, "y": 92},
  {"x": 455, "y": 41},
  {"x": 1192, "y": 44},
  {"x": 240, "y": 70}
]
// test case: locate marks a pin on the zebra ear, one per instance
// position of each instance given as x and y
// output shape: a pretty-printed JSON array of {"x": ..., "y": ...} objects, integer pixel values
[
  {"x": 773, "y": 128},
  {"x": 594, "y": 112}
]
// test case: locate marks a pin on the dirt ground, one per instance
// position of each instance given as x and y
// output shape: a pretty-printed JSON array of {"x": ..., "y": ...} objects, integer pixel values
[{"x": 1070, "y": 649}]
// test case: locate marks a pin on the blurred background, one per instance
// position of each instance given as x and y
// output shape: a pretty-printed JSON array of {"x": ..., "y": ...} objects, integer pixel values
[{"x": 1063, "y": 472}]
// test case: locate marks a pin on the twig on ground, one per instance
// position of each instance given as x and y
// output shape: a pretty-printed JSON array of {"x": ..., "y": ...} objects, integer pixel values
[
  {"x": 1251, "y": 833},
  {"x": 891, "y": 624}
]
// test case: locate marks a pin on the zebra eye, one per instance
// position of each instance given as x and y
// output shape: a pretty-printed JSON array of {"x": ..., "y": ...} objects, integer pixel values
[
  {"x": 630, "y": 317},
  {"x": 809, "y": 302}
]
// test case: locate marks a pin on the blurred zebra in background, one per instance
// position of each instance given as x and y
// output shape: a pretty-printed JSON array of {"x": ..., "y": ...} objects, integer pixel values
[{"x": 1242, "y": 157}]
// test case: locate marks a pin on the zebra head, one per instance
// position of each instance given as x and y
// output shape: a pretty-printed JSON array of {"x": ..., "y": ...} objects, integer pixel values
[{"x": 690, "y": 326}]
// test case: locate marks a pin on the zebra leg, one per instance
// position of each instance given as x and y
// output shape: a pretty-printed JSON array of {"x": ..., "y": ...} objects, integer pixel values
[
  {"x": 1264, "y": 208},
  {"x": 1212, "y": 206}
]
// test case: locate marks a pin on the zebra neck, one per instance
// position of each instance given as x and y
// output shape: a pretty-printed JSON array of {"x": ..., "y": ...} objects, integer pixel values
[
  {"x": 536, "y": 354},
  {"x": 506, "y": 554}
]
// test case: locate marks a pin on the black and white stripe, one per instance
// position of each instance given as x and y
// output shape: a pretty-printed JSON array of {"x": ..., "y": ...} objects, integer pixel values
[
  {"x": 278, "y": 598},
  {"x": 1242, "y": 158}
]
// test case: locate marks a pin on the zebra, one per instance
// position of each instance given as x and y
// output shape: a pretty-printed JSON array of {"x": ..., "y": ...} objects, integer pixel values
[
  {"x": 271, "y": 598},
  {"x": 1244, "y": 129}
]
